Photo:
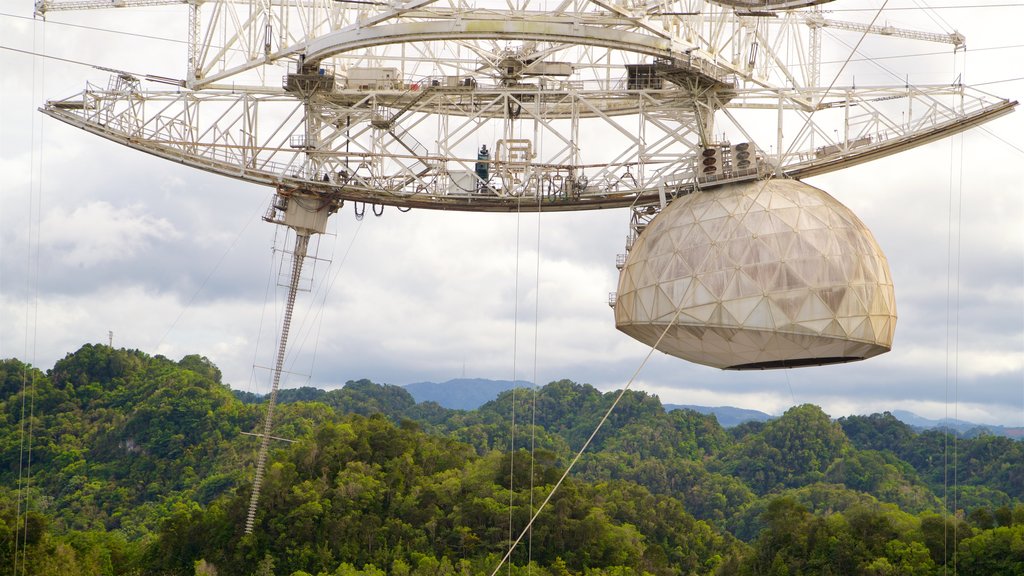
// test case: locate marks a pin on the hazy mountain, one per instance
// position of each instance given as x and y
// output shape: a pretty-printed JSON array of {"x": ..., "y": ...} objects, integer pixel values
[
  {"x": 462, "y": 393},
  {"x": 471, "y": 393},
  {"x": 925, "y": 423},
  {"x": 960, "y": 426},
  {"x": 728, "y": 416}
]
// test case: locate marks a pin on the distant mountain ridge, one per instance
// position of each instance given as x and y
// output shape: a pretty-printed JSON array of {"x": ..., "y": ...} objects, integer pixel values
[
  {"x": 960, "y": 426},
  {"x": 728, "y": 416},
  {"x": 462, "y": 393},
  {"x": 471, "y": 393}
]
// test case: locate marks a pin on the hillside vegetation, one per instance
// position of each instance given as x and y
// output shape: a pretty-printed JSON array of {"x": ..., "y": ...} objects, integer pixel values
[{"x": 138, "y": 465}]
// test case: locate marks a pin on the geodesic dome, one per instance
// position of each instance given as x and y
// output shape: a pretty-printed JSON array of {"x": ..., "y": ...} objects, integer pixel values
[{"x": 762, "y": 274}]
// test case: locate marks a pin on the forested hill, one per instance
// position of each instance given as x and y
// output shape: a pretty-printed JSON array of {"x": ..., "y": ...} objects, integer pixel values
[{"x": 131, "y": 464}]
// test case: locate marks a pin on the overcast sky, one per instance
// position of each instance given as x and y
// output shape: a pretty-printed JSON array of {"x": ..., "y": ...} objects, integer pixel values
[{"x": 96, "y": 238}]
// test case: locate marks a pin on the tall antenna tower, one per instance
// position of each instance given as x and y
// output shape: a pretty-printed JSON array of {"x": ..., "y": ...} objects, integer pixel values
[{"x": 527, "y": 105}]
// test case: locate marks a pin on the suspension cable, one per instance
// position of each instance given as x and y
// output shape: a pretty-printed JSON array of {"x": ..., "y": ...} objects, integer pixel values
[
  {"x": 28, "y": 383},
  {"x": 515, "y": 351},
  {"x": 586, "y": 444},
  {"x": 209, "y": 275},
  {"x": 956, "y": 353},
  {"x": 327, "y": 290},
  {"x": 533, "y": 396},
  {"x": 953, "y": 255},
  {"x": 834, "y": 80},
  {"x": 267, "y": 291},
  {"x": 528, "y": 529}
]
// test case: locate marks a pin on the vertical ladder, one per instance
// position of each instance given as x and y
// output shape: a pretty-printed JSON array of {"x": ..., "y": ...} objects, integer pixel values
[{"x": 301, "y": 244}]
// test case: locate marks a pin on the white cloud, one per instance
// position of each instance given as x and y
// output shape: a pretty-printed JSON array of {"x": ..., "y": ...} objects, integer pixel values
[
  {"x": 132, "y": 242},
  {"x": 773, "y": 403},
  {"x": 98, "y": 232}
]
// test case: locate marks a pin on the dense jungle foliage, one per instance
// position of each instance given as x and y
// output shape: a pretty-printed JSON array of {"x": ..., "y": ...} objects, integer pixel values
[{"x": 139, "y": 465}]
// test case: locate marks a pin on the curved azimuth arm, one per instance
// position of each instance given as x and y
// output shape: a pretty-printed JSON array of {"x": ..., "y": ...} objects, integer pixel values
[
  {"x": 238, "y": 36},
  {"x": 582, "y": 104}
]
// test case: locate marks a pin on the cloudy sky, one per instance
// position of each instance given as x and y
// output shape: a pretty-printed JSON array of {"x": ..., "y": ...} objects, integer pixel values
[{"x": 95, "y": 238}]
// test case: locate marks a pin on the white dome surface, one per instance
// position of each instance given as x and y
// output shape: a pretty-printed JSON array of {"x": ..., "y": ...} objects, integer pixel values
[{"x": 763, "y": 274}]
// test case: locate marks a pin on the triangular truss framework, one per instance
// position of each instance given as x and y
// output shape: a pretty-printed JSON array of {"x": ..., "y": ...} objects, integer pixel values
[{"x": 387, "y": 103}]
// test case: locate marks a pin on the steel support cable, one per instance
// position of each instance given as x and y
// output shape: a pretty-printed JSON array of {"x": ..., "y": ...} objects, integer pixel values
[
  {"x": 934, "y": 16},
  {"x": 874, "y": 60},
  {"x": 953, "y": 236},
  {"x": 529, "y": 526},
  {"x": 515, "y": 359},
  {"x": 98, "y": 29},
  {"x": 833, "y": 83},
  {"x": 933, "y": 8},
  {"x": 209, "y": 276},
  {"x": 579, "y": 454},
  {"x": 328, "y": 289},
  {"x": 989, "y": 83},
  {"x": 263, "y": 312},
  {"x": 58, "y": 58},
  {"x": 956, "y": 341},
  {"x": 922, "y": 54},
  {"x": 1001, "y": 139},
  {"x": 299, "y": 253},
  {"x": 956, "y": 354},
  {"x": 533, "y": 397},
  {"x": 28, "y": 385}
]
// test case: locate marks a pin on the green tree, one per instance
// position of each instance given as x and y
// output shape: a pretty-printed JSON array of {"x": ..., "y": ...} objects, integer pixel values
[
  {"x": 793, "y": 450},
  {"x": 995, "y": 552}
]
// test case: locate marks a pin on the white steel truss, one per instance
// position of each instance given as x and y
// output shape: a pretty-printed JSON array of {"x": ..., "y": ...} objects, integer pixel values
[{"x": 581, "y": 103}]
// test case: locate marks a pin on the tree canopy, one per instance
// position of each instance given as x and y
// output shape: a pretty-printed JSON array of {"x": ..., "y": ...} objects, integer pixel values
[{"x": 141, "y": 465}]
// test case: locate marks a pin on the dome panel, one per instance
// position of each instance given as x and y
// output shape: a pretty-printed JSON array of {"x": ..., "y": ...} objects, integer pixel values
[
  {"x": 784, "y": 309},
  {"x": 716, "y": 281},
  {"x": 761, "y": 316},
  {"x": 763, "y": 273},
  {"x": 758, "y": 221},
  {"x": 833, "y": 297},
  {"x": 702, "y": 313},
  {"x": 813, "y": 309},
  {"x": 676, "y": 289},
  {"x": 664, "y": 307},
  {"x": 781, "y": 204},
  {"x": 789, "y": 215},
  {"x": 645, "y": 303},
  {"x": 741, "y": 308},
  {"x": 700, "y": 295}
]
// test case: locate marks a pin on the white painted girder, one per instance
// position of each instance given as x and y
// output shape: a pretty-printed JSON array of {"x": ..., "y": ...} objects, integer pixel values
[
  {"x": 398, "y": 144},
  {"x": 340, "y": 133},
  {"x": 471, "y": 29}
]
